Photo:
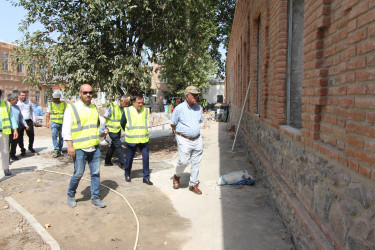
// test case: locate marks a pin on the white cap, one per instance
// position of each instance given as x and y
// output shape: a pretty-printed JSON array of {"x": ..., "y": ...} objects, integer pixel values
[{"x": 56, "y": 95}]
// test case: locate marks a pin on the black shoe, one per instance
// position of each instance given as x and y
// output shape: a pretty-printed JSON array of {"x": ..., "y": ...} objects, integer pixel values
[
  {"x": 23, "y": 153},
  {"x": 128, "y": 179},
  {"x": 32, "y": 150},
  {"x": 108, "y": 163},
  {"x": 14, "y": 158},
  {"x": 148, "y": 182}
]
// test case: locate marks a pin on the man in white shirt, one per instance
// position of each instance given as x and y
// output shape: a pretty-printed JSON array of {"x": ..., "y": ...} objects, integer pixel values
[
  {"x": 28, "y": 114},
  {"x": 81, "y": 132}
]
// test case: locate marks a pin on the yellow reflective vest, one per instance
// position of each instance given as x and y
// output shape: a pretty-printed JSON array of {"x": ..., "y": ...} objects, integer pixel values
[
  {"x": 5, "y": 120},
  {"x": 57, "y": 112},
  {"x": 85, "y": 127},
  {"x": 114, "y": 119},
  {"x": 136, "y": 130}
]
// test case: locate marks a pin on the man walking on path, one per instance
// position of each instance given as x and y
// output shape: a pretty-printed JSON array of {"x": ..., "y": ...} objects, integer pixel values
[
  {"x": 81, "y": 133},
  {"x": 13, "y": 99},
  {"x": 136, "y": 135},
  {"x": 54, "y": 120},
  {"x": 185, "y": 122},
  {"x": 29, "y": 116},
  {"x": 113, "y": 115},
  {"x": 7, "y": 123}
]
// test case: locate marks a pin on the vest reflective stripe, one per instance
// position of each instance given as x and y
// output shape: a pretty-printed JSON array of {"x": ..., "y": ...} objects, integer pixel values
[
  {"x": 114, "y": 119},
  {"x": 131, "y": 127},
  {"x": 57, "y": 112},
  {"x": 5, "y": 121},
  {"x": 85, "y": 129},
  {"x": 136, "y": 130}
]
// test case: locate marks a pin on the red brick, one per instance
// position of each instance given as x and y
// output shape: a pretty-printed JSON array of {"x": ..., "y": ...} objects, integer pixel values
[
  {"x": 358, "y": 10},
  {"x": 353, "y": 165},
  {"x": 366, "y": 18},
  {"x": 346, "y": 101},
  {"x": 356, "y": 89},
  {"x": 365, "y": 171},
  {"x": 370, "y": 116},
  {"x": 357, "y": 36},
  {"x": 354, "y": 141},
  {"x": 365, "y": 47},
  {"x": 356, "y": 115},
  {"x": 370, "y": 145},
  {"x": 370, "y": 88},
  {"x": 365, "y": 102},
  {"x": 365, "y": 75},
  {"x": 357, "y": 63}
]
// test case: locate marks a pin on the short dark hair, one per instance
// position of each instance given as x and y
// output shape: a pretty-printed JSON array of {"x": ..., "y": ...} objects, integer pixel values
[{"x": 137, "y": 96}]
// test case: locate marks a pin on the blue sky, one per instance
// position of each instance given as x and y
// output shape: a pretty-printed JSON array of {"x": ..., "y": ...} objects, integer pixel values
[{"x": 10, "y": 17}]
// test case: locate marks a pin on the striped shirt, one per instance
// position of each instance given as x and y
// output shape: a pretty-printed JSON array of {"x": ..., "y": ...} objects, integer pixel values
[{"x": 187, "y": 120}]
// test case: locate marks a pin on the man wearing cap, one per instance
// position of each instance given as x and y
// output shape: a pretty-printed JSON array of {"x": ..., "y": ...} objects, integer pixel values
[
  {"x": 54, "y": 120},
  {"x": 28, "y": 114},
  {"x": 13, "y": 99},
  {"x": 185, "y": 122},
  {"x": 81, "y": 133},
  {"x": 113, "y": 115},
  {"x": 7, "y": 123},
  {"x": 136, "y": 136}
]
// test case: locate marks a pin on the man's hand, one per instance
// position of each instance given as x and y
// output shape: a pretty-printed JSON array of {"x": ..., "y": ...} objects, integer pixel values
[
  {"x": 105, "y": 133},
  {"x": 35, "y": 123},
  {"x": 71, "y": 150},
  {"x": 15, "y": 134},
  {"x": 48, "y": 125},
  {"x": 27, "y": 127}
]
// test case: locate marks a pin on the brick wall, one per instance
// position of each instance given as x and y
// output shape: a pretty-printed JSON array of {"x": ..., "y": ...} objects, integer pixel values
[{"x": 322, "y": 176}]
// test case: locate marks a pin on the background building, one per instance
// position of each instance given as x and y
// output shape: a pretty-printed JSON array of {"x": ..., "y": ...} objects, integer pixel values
[
  {"x": 309, "y": 118},
  {"x": 11, "y": 78}
]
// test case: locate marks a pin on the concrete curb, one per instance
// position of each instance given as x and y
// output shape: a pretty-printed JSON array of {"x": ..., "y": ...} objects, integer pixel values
[{"x": 34, "y": 223}]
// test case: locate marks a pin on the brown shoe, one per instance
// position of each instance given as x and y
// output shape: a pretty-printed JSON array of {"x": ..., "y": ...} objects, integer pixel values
[
  {"x": 195, "y": 189},
  {"x": 176, "y": 182}
]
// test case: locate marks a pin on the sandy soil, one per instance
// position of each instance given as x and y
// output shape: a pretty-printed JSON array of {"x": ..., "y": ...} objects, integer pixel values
[{"x": 223, "y": 217}]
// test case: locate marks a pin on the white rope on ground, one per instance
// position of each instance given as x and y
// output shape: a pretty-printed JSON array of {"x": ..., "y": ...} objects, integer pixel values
[{"x": 131, "y": 208}]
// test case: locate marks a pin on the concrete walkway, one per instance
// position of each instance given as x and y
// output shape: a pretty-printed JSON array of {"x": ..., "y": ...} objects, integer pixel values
[{"x": 223, "y": 217}]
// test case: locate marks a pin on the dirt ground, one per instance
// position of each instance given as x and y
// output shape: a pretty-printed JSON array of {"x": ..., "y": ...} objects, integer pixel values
[
  {"x": 39, "y": 191},
  {"x": 168, "y": 218}
]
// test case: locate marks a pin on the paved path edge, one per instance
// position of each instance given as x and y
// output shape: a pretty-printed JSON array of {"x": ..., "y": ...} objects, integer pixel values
[{"x": 34, "y": 223}]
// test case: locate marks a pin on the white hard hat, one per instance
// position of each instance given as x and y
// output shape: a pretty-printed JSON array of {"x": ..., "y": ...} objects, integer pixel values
[{"x": 56, "y": 95}]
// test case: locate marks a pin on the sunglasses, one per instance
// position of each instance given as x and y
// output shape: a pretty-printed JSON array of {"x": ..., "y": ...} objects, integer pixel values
[{"x": 87, "y": 92}]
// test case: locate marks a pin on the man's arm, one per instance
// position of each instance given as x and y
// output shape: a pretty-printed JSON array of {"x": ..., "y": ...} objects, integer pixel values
[
  {"x": 48, "y": 125},
  {"x": 13, "y": 124},
  {"x": 66, "y": 132}
]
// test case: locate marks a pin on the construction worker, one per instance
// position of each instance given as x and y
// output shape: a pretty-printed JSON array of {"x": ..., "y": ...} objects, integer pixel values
[
  {"x": 13, "y": 99},
  {"x": 136, "y": 135},
  {"x": 113, "y": 116},
  {"x": 81, "y": 133},
  {"x": 54, "y": 120},
  {"x": 7, "y": 123}
]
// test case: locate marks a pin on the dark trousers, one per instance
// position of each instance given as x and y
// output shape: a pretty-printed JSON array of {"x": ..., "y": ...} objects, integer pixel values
[
  {"x": 30, "y": 134},
  {"x": 115, "y": 147},
  {"x": 12, "y": 144},
  {"x": 130, "y": 151}
]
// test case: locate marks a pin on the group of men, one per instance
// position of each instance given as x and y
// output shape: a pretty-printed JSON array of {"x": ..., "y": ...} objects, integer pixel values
[
  {"x": 79, "y": 125},
  {"x": 17, "y": 116}
]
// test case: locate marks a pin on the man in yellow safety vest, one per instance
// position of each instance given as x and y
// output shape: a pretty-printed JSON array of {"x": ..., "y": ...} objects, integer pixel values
[
  {"x": 7, "y": 123},
  {"x": 136, "y": 135},
  {"x": 81, "y": 133},
  {"x": 54, "y": 120},
  {"x": 113, "y": 116}
]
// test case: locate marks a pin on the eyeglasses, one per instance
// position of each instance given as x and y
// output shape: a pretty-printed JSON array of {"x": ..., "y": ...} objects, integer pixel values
[{"x": 87, "y": 92}]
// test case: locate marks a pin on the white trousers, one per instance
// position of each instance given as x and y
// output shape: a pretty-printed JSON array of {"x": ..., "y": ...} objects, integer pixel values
[
  {"x": 189, "y": 152},
  {"x": 4, "y": 150}
]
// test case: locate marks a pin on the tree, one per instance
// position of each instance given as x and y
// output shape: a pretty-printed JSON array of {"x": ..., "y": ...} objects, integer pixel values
[{"x": 109, "y": 43}]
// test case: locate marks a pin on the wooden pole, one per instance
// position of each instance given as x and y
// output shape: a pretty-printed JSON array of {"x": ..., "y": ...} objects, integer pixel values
[{"x": 239, "y": 122}]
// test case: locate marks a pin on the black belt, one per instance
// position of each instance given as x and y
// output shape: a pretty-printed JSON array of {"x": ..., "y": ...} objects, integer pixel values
[
  {"x": 187, "y": 137},
  {"x": 1, "y": 130}
]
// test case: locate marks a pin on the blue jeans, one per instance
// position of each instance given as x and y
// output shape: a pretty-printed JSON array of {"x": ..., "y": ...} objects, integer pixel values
[
  {"x": 115, "y": 147},
  {"x": 56, "y": 132},
  {"x": 130, "y": 151},
  {"x": 93, "y": 159}
]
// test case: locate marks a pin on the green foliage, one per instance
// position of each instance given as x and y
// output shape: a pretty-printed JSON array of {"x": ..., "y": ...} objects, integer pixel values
[{"x": 109, "y": 43}]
